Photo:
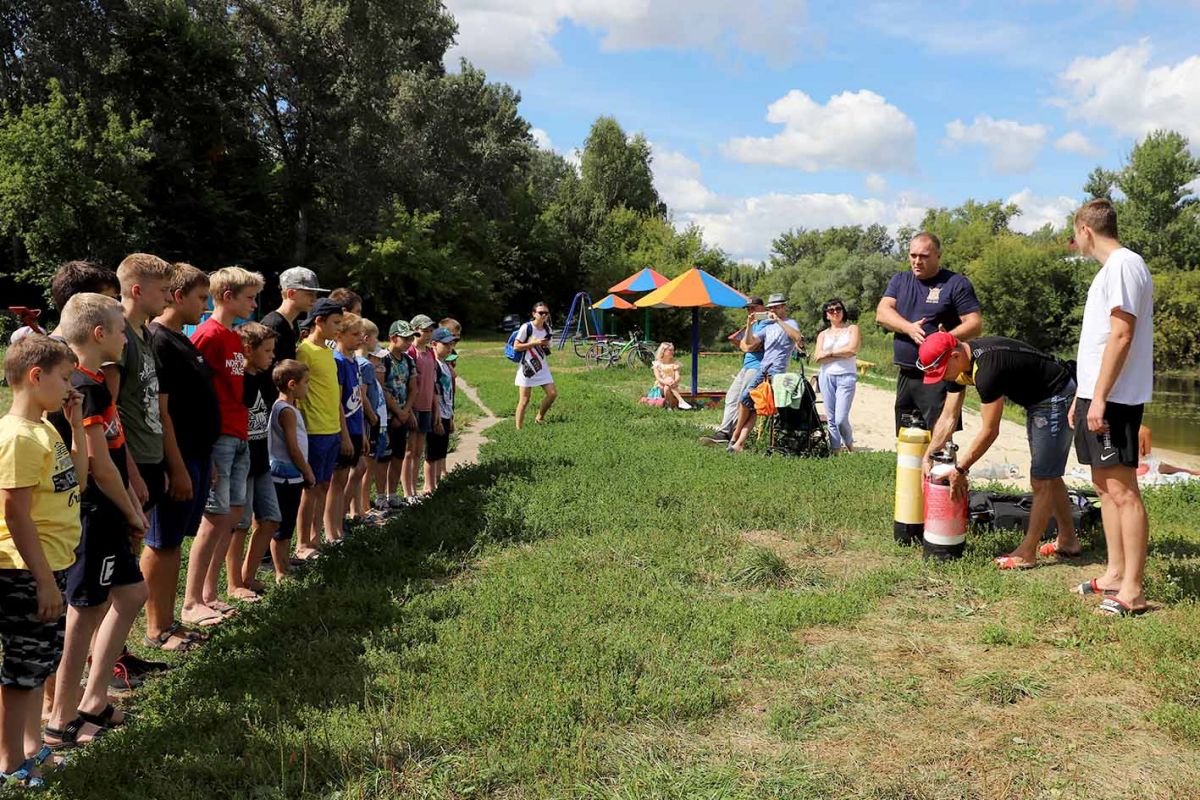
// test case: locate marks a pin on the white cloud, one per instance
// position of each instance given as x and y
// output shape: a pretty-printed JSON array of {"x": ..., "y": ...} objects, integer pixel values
[
  {"x": 1011, "y": 146},
  {"x": 876, "y": 183},
  {"x": 745, "y": 226},
  {"x": 1121, "y": 91},
  {"x": 541, "y": 139},
  {"x": 678, "y": 181},
  {"x": 854, "y": 130},
  {"x": 1075, "y": 142},
  {"x": 1037, "y": 211},
  {"x": 515, "y": 36}
]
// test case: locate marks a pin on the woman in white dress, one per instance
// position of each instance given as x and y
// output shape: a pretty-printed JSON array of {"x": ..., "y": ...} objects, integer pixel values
[
  {"x": 533, "y": 343},
  {"x": 837, "y": 349}
]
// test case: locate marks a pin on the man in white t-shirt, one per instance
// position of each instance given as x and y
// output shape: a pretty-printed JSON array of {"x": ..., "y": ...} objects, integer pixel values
[{"x": 1115, "y": 377}]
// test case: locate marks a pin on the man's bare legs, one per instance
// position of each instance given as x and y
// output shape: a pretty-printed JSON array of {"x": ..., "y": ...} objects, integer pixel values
[
  {"x": 1126, "y": 531},
  {"x": 1049, "y": 500}
]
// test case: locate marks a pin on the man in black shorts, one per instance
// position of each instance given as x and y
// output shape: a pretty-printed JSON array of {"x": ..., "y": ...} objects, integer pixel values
[
  {"x": 915, "y": 304},
  {"x": 1002, "y": 368},
  {"x": 1116, "y": 377}
]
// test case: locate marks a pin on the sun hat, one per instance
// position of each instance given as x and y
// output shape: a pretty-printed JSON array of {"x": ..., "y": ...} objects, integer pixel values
[
  {"x": 401, "y": 328},
  {"x": 421, "y": 322},
  {"x": 934, "y": 355},
  {"x": 300, "y": 278},
  {"x": 776, "y": 299}
]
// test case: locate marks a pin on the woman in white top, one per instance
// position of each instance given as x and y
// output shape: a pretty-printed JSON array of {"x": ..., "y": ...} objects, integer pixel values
[
  {"x": 533, "y": 343},
  {"x": 836, "y": 348}
]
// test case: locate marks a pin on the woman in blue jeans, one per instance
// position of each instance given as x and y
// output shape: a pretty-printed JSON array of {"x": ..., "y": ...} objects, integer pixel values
[{"x": 836, "y": 350}]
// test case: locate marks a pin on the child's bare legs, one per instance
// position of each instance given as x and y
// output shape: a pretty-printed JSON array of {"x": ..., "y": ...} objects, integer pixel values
[
  {"x": 126, "y": 603},
  {"x": 160, "y": 567},
  {"x": 260, "y": 539},
  {"x": 431, "y": 476},
  {"x": 199, "y": 560},
  {"x": 523, "y": 394},
  {"x": 18, "y": 712},
  {"x": 334, "y": 499},
  {"x": 235, "y": 580},
  {"x": 380, "y": 472},
  {"x": 81, "y": 624},
  {"x": 312, "y": 511},
  {"x": 395, "y": 468},
  {"x": 412, "y": 462},
  {"x": 355, "y": 486},
  {"x": 221, "y": 547}
]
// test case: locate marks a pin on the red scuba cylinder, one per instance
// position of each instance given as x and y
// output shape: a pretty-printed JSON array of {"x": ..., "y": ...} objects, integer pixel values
[{"x": 945, "y": 519}]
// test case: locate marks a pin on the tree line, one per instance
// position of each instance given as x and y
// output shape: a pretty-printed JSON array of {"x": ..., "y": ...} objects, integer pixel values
[{"x": 329, "y": 133}]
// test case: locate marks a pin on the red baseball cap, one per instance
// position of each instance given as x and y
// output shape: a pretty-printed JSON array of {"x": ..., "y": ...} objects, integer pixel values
[{"x": 934, "y": 355}]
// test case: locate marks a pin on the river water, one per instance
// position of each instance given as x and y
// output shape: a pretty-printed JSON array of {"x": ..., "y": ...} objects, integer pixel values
[{"x": 1174, "y": 415}]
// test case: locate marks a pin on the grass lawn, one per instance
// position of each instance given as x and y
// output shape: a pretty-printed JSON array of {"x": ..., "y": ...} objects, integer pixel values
[{"x": 603, "y": 609}]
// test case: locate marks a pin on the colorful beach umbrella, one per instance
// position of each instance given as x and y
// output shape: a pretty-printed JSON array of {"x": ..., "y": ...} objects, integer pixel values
[
  {"x": 694, "y": 289},
  {"x": 644, "y": 280},
  {"x": 613, "y": 302}
]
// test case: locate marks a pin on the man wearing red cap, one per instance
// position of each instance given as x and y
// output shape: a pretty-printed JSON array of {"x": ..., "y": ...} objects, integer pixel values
[
  {"x": 1001, "y": 368},
  {"x": 922, "y": 300}
]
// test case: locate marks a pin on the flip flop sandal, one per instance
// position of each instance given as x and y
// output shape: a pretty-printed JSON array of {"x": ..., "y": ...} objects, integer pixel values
[
  {"x": 1051, "y": 549},
  {"x": 1012, "y": 562},
  {"x": 254, "y": 597},
  {"x": 47, "y": 753},
  {"x": 1092, "y": 587},
  {"x": 1112, "y": 607},
  {"x": 210, "y": 621},
  {"x": 224, "y": 609},
  {"x": 190, "y": 639},
  {"x": 104, "y": 719}
]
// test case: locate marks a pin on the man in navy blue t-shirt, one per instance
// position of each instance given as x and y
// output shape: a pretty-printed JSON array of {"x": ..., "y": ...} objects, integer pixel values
[{"x": 915, "y": 304}]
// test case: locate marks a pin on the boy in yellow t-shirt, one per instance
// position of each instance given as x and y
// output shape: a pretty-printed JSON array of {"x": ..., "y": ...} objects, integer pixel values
[
  {"x": 328, "y": 436},
  {"x": 39, "y": 531}
]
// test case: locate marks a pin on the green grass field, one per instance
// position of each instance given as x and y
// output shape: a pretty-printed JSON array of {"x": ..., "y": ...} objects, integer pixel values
[{"x": 603, "y": 609}]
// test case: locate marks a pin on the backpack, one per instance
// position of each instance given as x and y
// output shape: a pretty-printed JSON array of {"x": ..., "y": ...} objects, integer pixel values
[
  {"x": 510, "y": 352},
  {"x": 1010, "y": 512},
  {"x": 764, "y": 399}
]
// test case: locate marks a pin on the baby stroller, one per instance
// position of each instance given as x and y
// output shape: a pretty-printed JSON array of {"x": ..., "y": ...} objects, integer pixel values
[{"x": 795, "y": 429}]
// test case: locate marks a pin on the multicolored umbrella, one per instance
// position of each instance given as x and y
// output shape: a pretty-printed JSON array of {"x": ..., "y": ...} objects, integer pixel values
[
  {"x": 694, "y": 289},
  {"x": 645, "y": 280},
  {"x": 613, "y": 302}
]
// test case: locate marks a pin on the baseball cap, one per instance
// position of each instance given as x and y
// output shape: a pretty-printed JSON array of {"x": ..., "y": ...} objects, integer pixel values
[
  {"x": 776, "y": 299},
  {"x": 420, "y": 322},
  {"x": 444, "y": 335},
  {"x": 401, "y": 328},
  {"x": 324, "y": 308},
  {"x": 934, "y": 355},
  {"x": 300, "y": 278},
  {"x": 754, "y": 301}
]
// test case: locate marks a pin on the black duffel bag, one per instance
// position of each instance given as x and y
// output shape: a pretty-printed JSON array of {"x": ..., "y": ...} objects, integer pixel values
[{"x": 1010, "y": 512}]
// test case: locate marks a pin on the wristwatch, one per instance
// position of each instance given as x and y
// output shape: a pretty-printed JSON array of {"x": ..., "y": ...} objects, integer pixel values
[{"x": 962, "y": 470}]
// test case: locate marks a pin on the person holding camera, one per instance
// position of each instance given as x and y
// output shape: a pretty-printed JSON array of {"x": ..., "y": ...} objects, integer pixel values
[
  {"x": 778, "y": 340},
  {"x": 533, "y": 343}
]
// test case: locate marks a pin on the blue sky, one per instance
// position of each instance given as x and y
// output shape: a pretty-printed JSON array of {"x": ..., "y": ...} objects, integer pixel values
[{"x": 767, "y": 115}]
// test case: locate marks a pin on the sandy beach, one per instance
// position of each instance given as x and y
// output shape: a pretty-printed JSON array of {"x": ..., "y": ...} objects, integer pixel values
[{"x": 872, "y": 415}]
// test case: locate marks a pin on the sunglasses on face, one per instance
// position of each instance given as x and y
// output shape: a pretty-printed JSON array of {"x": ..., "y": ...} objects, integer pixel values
[{"x": 542, "y": 313}]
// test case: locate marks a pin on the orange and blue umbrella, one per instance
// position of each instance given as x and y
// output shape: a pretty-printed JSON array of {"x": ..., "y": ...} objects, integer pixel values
[
  {"x": 644, "y": 280},
  {"x": 613, "y": 302},
  {"x": 694, "y": 289}
]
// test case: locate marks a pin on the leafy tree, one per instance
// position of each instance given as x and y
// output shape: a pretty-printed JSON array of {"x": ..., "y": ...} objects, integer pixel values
[
  {"x": 966, "y": 230},
  {"x": 615, "y": 172},
  {"x": 69, "y": 185},
  {"x": 1176, "y": 309},
  {"x": 1158, "y": 216},
  {"x": 795, "y": 245}
]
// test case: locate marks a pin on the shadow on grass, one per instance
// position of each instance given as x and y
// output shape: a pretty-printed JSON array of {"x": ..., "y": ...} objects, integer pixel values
[{"x": 230, "y": 722}]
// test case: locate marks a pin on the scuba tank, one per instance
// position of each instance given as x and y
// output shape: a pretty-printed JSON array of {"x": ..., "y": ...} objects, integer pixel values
[
  {"x": 945, "y": 519},
  {"x": 911, "y": 443}
]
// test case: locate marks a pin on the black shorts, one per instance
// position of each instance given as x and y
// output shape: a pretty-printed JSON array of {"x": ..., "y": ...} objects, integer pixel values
[
  {"x": 103, "y": 560},
  {"x": 1117, "y": 447},
  {"x": 32, "y": 648},
  {"x": 348, "y": 462},
  {"x": 437, "y": 445},
  {"x": 155, "y": 478},
  {"x": 288, "y": 495},
  {"x": 398, "y": 441},
  {"x": 913, "y": 394}
]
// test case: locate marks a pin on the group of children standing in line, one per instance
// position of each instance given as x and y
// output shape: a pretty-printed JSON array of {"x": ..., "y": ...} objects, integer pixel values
[{"x": 244, "y": 436}]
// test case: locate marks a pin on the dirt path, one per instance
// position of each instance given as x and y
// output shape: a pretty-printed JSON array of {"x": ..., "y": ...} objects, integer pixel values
[
  {"x": 871, "y": 416},
  {"x": 473, "y": 437}
]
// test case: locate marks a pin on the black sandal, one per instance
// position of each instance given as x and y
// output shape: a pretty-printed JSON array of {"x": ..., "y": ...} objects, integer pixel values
[
  {"x": 103, "y": 720},
  {"x": 191, "y": 639},
  {"x": 68, "y": 735}
]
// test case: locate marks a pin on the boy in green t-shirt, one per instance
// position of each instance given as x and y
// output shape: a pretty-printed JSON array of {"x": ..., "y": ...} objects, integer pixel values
[{"x": 39, "y": 531}]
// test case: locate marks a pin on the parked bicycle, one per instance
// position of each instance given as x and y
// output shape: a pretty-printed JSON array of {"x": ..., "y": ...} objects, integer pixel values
[{"x": 632, "y": 352}]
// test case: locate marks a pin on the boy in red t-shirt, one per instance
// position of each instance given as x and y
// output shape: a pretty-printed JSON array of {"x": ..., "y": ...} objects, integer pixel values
[{"x": 233, "y": 293}]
